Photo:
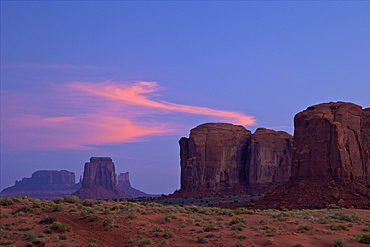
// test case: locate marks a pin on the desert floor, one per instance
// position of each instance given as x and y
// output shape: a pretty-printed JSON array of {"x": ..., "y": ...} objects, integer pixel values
[{"x": 70, "y": 222}]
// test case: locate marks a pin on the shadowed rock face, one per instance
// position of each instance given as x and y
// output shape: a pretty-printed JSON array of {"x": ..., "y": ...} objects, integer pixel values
[
  {"x": 270, "y": 157},
  {"x": 99, "y": 180},
  {"x": 214, "y": 157},
  {"x": 225, "y": 159},
  {"x": 330, "y": 141},
  {"x": 44, "y": 184},
  {"x": 330, "y": 160}
]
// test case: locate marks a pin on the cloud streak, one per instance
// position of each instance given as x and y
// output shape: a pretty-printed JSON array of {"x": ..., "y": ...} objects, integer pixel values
[
  {"x": 137, "y": 94},
  {"x": 85, "y": 115}
]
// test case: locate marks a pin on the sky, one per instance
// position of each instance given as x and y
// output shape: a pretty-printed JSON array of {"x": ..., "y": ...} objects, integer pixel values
[{"x": 128, "y": 79}]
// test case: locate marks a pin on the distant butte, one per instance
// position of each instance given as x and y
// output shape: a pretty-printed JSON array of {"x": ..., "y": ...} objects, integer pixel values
[{"x": 99, "y": 180}]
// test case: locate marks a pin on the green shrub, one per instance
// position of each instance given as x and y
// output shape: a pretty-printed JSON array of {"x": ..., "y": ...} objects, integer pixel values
[
  {"x": 339, "y": 243},
  {"x": 202, "y": 239},
  {"x": 57, "y": 200},
  {"x": 59, "y": 227},
  {"x": 333, "y": 206},
  {"x": 48, "y": 219},
  {"x": 71, "y": 199},
  {"x": 299, "y": 245},
  {"x": 63, "y": 237},
  {"x": 108, "y": 223},
  {"x": 364, "y": 238},
  {"x": 237, "y": 220},
  {"x": 88, "y": 202},
  {"x": 339, "y": 227},
  {"x": 210, "y": 227},
  {"x": 6, "y": 201},
  {"x": 168, "y": 234},
  {"x": 304, "y": 228}
]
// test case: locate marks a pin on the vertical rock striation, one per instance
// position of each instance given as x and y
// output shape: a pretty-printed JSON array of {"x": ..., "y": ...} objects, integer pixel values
[
  {"x": 220, "y": 158},
  {"x": 331, "y": 160},
  {"x": 270, "y": 157},
  {"x": 213, "y": 158}
]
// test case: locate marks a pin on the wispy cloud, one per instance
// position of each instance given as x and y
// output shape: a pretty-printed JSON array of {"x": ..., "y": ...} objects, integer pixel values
[
  {"x": 83, "y": 115},
  {"x": 139, "y": 93}
]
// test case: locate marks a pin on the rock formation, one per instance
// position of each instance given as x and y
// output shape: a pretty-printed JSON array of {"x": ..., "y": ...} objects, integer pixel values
[
  {"x": 213, "y": 158},
  {"x": 220, "y": 158},
  {"x": 44, "y": 184},
  {"x": 330, "y": 159},
  {"x": 270, "y": 157},
  {"x": 99, "y": 180},
  {"x": 123, "y": 183}
]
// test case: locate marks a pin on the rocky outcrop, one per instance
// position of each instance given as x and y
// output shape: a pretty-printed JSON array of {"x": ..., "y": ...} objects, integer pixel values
[
  {"x": 99, "y": 180},
  {"x": 220, "y": 158},
  {"x": 330, "y": 159},
  {"x": 123, "y": 183},
  {"x": 330, "y": 142},
  {"x": 44, "y": 184},
  {"x": 270, "y": 157},
  {"x": 213, "y": 158}
]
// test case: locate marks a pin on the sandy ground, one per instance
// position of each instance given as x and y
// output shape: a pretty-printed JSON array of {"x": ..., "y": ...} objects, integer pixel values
[{"x": 109, "y": 223}]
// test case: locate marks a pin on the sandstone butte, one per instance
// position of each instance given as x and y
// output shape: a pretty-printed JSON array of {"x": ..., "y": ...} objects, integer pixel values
[
  {"x": 331, "y": 159},
  {"x": 99, "y": 180},
  {"x": 45, "y": 184},
  {"x": 220, "y": 158}
]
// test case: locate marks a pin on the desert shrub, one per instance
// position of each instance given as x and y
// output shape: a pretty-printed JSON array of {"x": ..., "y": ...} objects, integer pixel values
[
  {"x": 93, "y": 217},
  {"x": 210, "y": 227},
  {"x": 108, "y": 223},
  {"x": 364, "y": 238},
  {"x": 210, "y": 235},
  {"x": 57, "y": 200},
  {"x": 238, "y": 244},
  {"x": 168, "y": 234},
  {"x": 59, "y": 227},
  {"x": 88, "y": 202},
  {"x": 339, "y": 227},
  {"x": 30, "y": 235},
  {"x": 22, "y": 210},
  {"x": 299, "y": 245},
  {"x": 202, "y": 239},
  {"x": 48, "y": 219},
  {"x": 53, "y": 207},
  {"x": 71, "y": 199},
  {"x": 6, "y": 201},
  {"x": 237, "y": 220},
  {"x": 146, "y": 242},
  {"x": 304, "y": 228},
  {"x": 157, "y": 229},
  {"x": 131, "y": 216},
  {"x": 334, "y": 206},
  {"x": 339, "y": 243},
  {"x": 38, "y": 242},
  {"x": 63, "y": 237},
  {"x": 366, "y": 229},
  {"x": 238, "y": 226}
]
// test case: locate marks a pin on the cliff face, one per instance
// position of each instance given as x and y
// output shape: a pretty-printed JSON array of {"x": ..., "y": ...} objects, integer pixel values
[
  {"x": 227, "y": 159},
  {"x": 44, "y": 185},
  {"x": 213, "y": 157},
  {"x": 123, "y": 183},
  {"x": 330, "y": 160},
  {"x": 99, "y": 180},
  {"x": 270, "y": 157},
  {"x": 331, "y": 142}
]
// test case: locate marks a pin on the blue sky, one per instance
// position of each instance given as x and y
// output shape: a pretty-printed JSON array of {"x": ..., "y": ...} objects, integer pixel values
[{"x": 128, "y": 79}]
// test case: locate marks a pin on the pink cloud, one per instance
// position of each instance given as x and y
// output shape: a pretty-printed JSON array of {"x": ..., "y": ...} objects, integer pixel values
[
  {"x": 136, "y": 94},
  {"x": 83, "y": 115}
]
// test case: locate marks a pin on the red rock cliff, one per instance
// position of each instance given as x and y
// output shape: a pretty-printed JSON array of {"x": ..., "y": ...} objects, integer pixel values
[{"x": 213, "y": 158}]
